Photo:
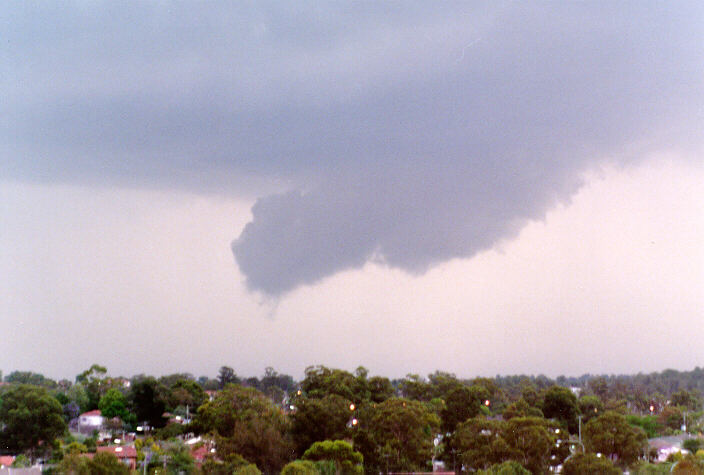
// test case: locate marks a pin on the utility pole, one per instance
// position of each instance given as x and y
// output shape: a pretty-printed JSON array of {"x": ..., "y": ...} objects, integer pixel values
[{"x": 580, "y": 432}]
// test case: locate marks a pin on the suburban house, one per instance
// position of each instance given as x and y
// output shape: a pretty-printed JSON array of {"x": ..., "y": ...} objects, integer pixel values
[
  {"x": 126, "y": 454},
  {"x": 90, "y": 421}
]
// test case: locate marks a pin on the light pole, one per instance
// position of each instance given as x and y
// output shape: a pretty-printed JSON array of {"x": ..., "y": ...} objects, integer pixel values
[
  {"x": 147, "y": 455},
  {"x": 436, "y": 441},
  {"x": 684, "y": 425},
  {"x": 579, "y": 419}
]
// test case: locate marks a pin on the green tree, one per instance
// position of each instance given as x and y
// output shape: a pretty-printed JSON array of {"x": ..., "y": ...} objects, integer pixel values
[
  {"x": 147, "y": 402},
  {"x": 496, "y": 395},
  {"x": 226, "y": 375},
  {"x": 74, "y": 464},
  {"x": 248, "y": 469},
  {"x": 521, "y": 408},
  {"x": 94, "y": 381},
  {"x": 346, "y": 460},
  {"x": 510, "y": 467},
  {"x": 649, "y": 424},
  {"x": 314, "y": 420},
  {"x": 276, "y": 385},
  {"x": 580, "y": 464},
  {"x": 321, "y": 381},
  {"x": 462, "y": 403},
  {"x": 442, "y": 383},
  {"x": 561, "y": 404},
  {"x": 114, "y": 404},
  {"x": 233, "y": 463},
  {"x": 300, "y": 467},
  {"x": 530, "y": 394},
  {"x": 529, "y": 442},
  {"x": 21, "y": 461},
  {"x": 692, "y": 445},
  {"x": 105, "y": 463},
  {"x": 479, "y": 443},
  {"x": 611, "y": 435},
  {"x": 599, "y": 387},
  {"x": 179, "y": 459},
  {"x": 689, "y": 465},
  {"x": 590, "y": 407},
  {"x": 28, "y": 377},
  {"x": 246, "y": 422},
  {"x": 645, "y": 468},
  {"x": 399, "y": 431},
  {"x": 170, "y": 380},
  {"x": 671, "y": 417},
  {"x": 77, "y": 394},
  {"x": 689, "y": 400},
  {"x": 75, "y": 447},
  {"x": 184, "y": 392},
  {"x": 415, "y": 387},
  {"x": 29, "y": 415},
  {"x": 380, "y": 389}
]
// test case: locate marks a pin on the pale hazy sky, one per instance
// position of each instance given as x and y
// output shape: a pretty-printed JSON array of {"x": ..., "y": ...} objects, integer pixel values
[{"x": 476, "y": 187}]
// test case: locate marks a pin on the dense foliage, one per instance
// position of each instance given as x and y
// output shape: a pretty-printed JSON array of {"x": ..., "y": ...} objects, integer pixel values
[
  {"x": 335, "y": 421},
  {"x": 29, "y": 417}
]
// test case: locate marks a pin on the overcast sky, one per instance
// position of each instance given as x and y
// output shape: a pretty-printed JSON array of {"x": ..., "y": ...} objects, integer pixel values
[{"x": 476, "y": 187}]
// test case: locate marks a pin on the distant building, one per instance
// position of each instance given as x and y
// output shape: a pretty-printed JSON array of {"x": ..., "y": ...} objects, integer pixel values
[
  {"x": 90, "y": 421},
  {"x": 668, "y": 445}
]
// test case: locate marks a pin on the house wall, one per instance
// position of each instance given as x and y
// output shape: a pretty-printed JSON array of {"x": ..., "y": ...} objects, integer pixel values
[{"x": 94, "y": 421}]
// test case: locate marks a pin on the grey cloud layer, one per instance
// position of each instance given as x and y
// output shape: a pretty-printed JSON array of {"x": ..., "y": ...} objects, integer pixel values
[{"x": 405, "y": 133}]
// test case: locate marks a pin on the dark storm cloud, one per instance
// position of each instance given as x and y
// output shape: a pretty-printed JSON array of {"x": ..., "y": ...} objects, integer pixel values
[{"x": 408, "y": 133}]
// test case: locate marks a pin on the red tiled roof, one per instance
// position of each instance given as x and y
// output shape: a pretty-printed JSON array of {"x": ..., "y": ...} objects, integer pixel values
[
  {"x": 94, "y": 412},
  {"x": 200, "y": 453},
  {"x": 122, "y": 452},
  {"x": 6, "y": 460}
]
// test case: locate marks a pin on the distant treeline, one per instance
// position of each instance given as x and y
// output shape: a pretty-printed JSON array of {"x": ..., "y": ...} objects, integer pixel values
[{"x": 645, "y": 385}]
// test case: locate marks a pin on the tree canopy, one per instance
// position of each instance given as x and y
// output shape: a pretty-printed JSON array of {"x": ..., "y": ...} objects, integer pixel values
[
  {"x": 114, "y": 404},
  {"x": 246, "y": 422},
  {"x": 611, "y": 435},
  {"x": 314, "y": 420},
  {"x": 399, "y": 432},
  {"x": 561, "y": 404},
  {"x": 29, "y": 415},
  {"x": 580, "y": 464},
  {"x": 346, "y": 460}
]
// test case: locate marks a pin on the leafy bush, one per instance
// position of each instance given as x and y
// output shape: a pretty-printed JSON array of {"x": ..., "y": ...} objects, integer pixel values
[
  {"x": 648, "y": 423},
  {"x": 249, "y": 469},
  {"x": 21, "y": 461},
  {"x": 506, "y": 468},
  {"x": 580, "y": 464},
  {"x": 692, "y": 445},
  {"x": 300, "y": 467}
]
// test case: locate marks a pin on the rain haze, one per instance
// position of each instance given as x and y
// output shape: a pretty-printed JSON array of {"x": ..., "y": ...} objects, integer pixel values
[{"x": 477, "y": 187}]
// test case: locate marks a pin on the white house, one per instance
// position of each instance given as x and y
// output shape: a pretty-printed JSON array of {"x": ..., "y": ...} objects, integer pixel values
[{"x": 90, "y": 421}]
